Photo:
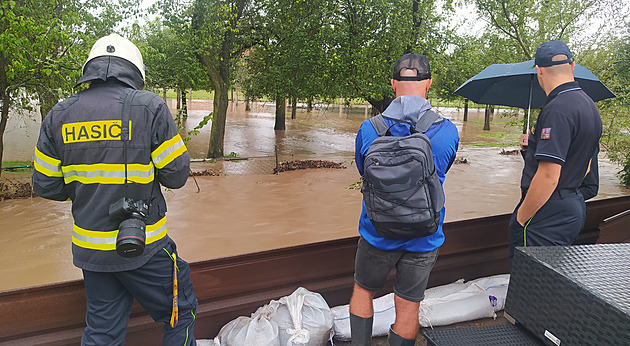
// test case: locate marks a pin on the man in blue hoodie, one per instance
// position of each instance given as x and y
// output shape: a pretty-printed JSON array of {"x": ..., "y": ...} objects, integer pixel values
[{"x": 413, "y": 258}]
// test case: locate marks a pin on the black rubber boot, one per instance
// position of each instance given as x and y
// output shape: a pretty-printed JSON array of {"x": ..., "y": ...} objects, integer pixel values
[
  {"x": 394, "y": 339},
  {"x": 361, "y": 330}
]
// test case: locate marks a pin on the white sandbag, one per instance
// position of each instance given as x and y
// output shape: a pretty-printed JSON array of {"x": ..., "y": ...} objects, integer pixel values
[
  {"x": 341, "y": 322},
  {"x": 384, "y": 316},
  {"x": 444, "y": 290},
  {"x": 257, "y": 330},
  {"x": 496, "y": 286},
  {"x": 494, "y": 280},
  {"x": 455, "y": 302},
  {"x": 303, "y": 318},
  {"x": 463, "y": 307}
]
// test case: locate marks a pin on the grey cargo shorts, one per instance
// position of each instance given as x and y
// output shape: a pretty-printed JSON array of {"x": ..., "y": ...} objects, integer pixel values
[{"x": 372, "y": 267}]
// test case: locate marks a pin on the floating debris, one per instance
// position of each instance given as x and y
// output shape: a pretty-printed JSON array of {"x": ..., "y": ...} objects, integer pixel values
[
  {"x": 460, "y": 160},
  {"x": 307, "y": 164},
  {"x": 510, "y": 152},
  {"x": 206, "y": 173},
  {"x": 10, "y": 189},
  {"x": 355, "y": 186}
]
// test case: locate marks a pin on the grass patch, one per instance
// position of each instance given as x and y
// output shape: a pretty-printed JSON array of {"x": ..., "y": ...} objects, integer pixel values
[{"x": 493, "y": 135}]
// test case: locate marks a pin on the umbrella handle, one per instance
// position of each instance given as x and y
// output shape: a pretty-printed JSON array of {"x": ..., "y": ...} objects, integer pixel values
[{"x": 529, "y": 104}]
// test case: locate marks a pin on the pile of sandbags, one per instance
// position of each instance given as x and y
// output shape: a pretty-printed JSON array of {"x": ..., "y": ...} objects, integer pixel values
[{"x": 453, "y": 303}]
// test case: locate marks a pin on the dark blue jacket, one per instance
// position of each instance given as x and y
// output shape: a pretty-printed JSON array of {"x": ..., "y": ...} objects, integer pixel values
[{"x": 79, "y": 156}]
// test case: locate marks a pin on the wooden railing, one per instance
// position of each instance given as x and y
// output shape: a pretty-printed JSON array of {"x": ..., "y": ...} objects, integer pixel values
[{"x": 234, "y": 286}]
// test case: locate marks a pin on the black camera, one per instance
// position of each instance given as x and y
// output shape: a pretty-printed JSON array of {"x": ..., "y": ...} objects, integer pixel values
[{"x": 131, "y": 232}]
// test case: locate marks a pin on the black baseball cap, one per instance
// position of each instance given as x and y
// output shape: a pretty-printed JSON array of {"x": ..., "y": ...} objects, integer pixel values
[
  {"x": 412, "y": 61},
  {"x": 549, "y": 49}
]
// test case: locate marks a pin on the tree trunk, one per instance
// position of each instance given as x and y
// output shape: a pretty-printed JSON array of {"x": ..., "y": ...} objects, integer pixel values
[
  {"x": 47, "y": 99},
  {"x": 380, "y": 105},
  {"x": 293, "y": 107},
  {"x": 179, "y": 98},
  {"x": 486, "y": 123},
  {"x": 217, "y": 133},
  {"x": 184, "y": 109},
  {"x": 466, "y": 110},
  {"x": 4, "y": 116},
  {"x": 309, "y": 108},
  {"x": 281, "y": 113},
  {"x": 247, "y": 108},
  {"x": 6, "y": 103},
  {"x": 164, "y": 94},
  {"x": 218, "y": 69}
]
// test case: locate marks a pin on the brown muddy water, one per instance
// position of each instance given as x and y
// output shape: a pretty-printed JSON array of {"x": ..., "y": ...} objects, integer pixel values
[{"x": 244, "y": 213}]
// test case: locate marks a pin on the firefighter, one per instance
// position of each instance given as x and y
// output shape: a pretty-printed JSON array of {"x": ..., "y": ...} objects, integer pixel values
[{"x": 112, "y": 170}]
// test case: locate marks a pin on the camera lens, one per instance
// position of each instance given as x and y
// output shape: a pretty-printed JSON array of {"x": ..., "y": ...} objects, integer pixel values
[{"x": 131, "y": 238}]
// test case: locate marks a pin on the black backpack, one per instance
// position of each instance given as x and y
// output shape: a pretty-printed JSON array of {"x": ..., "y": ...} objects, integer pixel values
[{"x": 402, "y": 193}]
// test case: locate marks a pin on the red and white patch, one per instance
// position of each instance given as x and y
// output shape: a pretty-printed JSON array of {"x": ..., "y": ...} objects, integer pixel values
[{"x": 545, "y": 133}]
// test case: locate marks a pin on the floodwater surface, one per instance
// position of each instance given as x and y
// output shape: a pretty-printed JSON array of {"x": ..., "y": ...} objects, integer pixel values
[{"x": 235, "y": 214}]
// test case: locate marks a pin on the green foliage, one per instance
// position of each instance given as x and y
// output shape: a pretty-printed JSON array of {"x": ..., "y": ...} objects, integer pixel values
[
  {"x": 43, "y": 44},
  {"x": 370, "y": 35},
  {"x": 290, "y": 58},
  {"x": 466, "y": 60},
  {"x": 170, "y": 63},
  {"x": 517, "y": 27},
  {"x": 195, "y": 131}
]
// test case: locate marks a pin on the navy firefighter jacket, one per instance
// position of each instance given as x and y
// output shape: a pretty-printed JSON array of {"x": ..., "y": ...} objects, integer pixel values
[{"x": 79, "y": 156}]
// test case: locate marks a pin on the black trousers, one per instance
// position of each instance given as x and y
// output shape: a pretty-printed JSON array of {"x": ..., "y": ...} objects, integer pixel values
[
  {"x": 557, "y": 222},
  {"x": 110, "y": 296}
]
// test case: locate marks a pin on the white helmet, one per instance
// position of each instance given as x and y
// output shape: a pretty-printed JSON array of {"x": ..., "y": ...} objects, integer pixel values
[{"x": 115, "y": 45}]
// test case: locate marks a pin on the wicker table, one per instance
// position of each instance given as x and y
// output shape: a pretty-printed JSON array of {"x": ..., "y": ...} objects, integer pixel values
[
  {"x": 501, "y": 335},
  {"x": 572, "y": 295}
]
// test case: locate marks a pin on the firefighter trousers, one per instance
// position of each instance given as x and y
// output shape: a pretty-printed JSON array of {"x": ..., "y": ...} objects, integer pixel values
[{"x": 109, "y": 297}]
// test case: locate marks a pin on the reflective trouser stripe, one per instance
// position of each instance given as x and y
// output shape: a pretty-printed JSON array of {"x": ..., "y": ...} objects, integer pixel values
[
  {"x": 106, "y": 240},
  {"x": 525, "y": 229}
]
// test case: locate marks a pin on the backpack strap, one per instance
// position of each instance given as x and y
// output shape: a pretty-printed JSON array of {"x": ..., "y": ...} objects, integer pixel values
[
  {"x": 426, "y": 121},
  {"x": 423, "y": 124},
  {"x": 379, "y": 124}
]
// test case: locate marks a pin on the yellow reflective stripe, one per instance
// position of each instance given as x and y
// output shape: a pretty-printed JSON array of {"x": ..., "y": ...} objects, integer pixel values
[
  {"x": 47, "y": 165},
  {"x": 106, "y": 240},
  {"x": 156, "y": 231},
  {"x": 168, "y": 151},
  {"x": 46, "y": 158},
  {"x": 45, "y": 171},
  {"x": 104, "y": 173}
]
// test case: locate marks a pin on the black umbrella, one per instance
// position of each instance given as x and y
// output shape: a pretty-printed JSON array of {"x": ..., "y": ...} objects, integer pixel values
[{"x": 516, "y": 85}]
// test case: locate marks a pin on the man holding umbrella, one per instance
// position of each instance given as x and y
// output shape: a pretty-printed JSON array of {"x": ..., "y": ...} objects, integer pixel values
[{"x": 564, "y": 139}]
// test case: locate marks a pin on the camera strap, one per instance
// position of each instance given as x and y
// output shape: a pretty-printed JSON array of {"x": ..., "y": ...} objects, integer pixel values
[{"x": 124, "y": 127}]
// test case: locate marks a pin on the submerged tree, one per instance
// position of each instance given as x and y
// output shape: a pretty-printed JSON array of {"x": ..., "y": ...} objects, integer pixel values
[
  {"x": 289, "y": 59},
  {"x": 216, "y": 32}
]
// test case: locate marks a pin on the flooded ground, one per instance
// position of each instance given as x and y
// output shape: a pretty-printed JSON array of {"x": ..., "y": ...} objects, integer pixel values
[{"x": 243, "y": 213}]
